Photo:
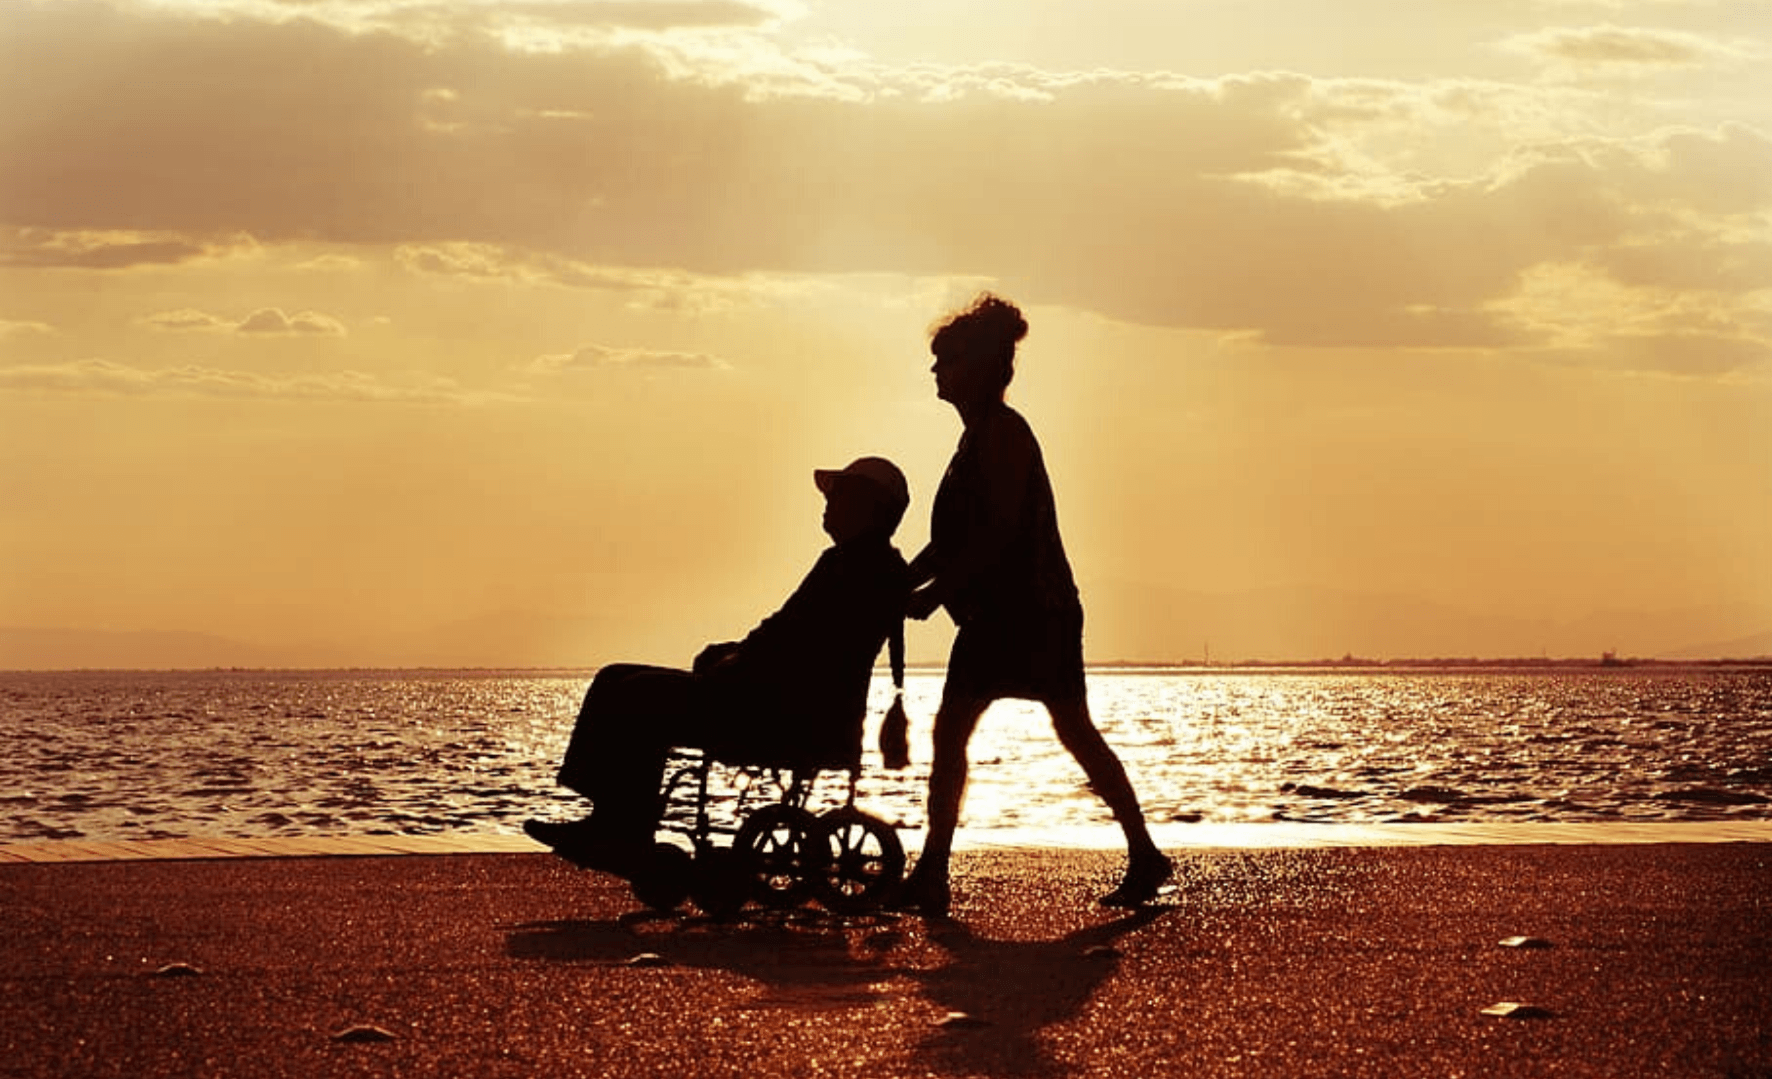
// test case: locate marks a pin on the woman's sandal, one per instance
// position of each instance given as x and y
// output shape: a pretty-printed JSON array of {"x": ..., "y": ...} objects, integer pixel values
[
  {"x": 1145, "y": 877},
  {"x": 918, "y": 895}
]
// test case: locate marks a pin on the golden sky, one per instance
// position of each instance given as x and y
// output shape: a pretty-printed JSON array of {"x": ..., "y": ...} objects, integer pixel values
[{"x": 406, "y": 331}]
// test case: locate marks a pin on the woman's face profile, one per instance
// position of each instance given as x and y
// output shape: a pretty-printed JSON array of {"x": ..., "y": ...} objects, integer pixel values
[{"x": 961, "y": 377}]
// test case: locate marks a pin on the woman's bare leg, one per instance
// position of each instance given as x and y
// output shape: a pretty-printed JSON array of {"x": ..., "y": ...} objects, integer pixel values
[
  {"x": 1147, "y": 867},
  {"x": 1077, "y": 732},
  {"x": 955, "y": 721}
]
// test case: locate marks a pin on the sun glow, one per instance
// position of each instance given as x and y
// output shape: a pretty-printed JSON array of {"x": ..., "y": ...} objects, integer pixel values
[{"x": 1358, "y": 334}]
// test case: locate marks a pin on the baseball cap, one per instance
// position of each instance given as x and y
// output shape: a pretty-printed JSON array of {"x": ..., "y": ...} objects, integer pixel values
[{"x": 878, "y": 471}]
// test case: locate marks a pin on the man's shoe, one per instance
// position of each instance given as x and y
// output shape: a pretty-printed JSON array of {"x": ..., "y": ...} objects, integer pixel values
[
  {"x": 556, "y": 833},
  {"x": 587, "y": 846}
]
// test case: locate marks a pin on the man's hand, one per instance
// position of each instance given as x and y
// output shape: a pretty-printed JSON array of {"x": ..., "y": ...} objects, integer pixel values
[{"x": 714, "y": 655}]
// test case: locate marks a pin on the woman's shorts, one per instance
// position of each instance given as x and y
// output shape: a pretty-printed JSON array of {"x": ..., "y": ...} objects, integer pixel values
[{"x": 1030, "y": 655}]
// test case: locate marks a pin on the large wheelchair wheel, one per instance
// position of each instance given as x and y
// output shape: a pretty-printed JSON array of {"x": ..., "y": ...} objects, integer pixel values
[
  {"x": 782, "y": 852},
  {"x": 866, "y": 860},
  {"x": 663, "y": 882},
  {"x": 719, "y": 884}
]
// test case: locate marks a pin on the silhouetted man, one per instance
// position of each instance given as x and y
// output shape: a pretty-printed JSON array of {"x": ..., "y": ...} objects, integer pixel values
[{"x": 793, "y": 690}]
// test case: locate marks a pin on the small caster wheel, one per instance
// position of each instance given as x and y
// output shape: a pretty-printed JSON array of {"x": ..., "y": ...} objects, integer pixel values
[
  {"x": 718, "y": 883},
  {"x": 663, "y": 882}
]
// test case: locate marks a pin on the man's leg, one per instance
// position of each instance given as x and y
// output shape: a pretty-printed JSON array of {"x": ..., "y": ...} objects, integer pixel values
[{"x": 632, "y": 715}]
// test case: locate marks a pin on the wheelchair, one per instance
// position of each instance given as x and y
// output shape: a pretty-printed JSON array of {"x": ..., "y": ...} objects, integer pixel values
[{"x": 787, "y": 833}]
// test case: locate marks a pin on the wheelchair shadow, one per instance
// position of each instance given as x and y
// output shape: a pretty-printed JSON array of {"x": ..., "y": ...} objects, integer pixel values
[
  {"x": 800, "y": 957},
  {"x": 998, "y": 995}
]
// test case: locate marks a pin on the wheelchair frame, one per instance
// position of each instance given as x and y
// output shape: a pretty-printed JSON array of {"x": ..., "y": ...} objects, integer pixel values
[{"x": 781, "y": 854}]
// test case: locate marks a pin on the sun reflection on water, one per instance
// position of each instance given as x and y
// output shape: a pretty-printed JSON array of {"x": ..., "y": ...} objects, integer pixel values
[{"x": 129, "y": 755}]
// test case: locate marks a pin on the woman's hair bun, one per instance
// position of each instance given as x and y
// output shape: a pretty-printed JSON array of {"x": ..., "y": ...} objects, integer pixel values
[
  {"x": 999, "y": 318},
  {"x": 989, "y": 321}
]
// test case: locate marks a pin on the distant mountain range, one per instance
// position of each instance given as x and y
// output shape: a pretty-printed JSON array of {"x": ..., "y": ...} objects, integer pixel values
[
  {"x": 36, "y": 648},
  {"x": 1124, "y": 623},
  {"x": 1306, "y": 623},
  {"x": 1755, "y": 646}
]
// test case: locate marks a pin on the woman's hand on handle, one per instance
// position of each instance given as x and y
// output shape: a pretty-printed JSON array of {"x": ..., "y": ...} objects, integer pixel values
[{"x": 922, "y": 604}]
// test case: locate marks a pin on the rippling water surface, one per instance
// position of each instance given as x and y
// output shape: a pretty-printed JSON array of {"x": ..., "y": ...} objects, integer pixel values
[{"x": 121, "y": 755}]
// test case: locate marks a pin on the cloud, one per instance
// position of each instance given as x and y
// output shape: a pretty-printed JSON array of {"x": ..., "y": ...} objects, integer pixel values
[
  {"x": 1672, "y": 355},
  {"x": 104, "y": 249},
  {"x": 1694, "y": 263},
  {"x": 331, "y": 263},
  {"x": 10, "y": 328},
  {"x": 105, "y": 378},
  {"x": 187, "y": 319},
  {"x": 651, "y": 288},
  {"x": 601, "y": 358},
  {"x": 1303, "y": 211},
  {"x": 639, "y": 14},
  {"x": 267, "y": 321},
  {"x": 1694, "y": 354},
  {"x": 1621, "y": 48},
  {"x": 1580, "y": 312},
  {"x": 533, "y": 23},
  {"x": 271, "y": 320}
]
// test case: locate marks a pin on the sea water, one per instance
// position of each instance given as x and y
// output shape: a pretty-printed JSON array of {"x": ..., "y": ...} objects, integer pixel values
[{"x": 136, "y": 755}]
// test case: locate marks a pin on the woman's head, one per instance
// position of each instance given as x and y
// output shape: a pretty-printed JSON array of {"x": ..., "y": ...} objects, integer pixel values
[{"x": 975, "y": 351}]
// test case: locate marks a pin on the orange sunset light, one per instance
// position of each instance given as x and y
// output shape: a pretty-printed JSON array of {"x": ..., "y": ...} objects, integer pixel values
[{"x": 410, "y": 332}]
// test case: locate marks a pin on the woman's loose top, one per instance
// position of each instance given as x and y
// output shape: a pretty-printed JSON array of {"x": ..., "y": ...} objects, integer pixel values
[{"x": 994, "y": 542}]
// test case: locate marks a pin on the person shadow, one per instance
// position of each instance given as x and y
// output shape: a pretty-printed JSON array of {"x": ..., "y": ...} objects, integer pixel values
[
  {"x": 1001, "y": 996},
  {"x": 994, "y": 1000}
]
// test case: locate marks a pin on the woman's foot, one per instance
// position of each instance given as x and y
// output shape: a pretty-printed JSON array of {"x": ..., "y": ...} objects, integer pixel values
[
  {"x": 1145, "y": 876},
  {"x": 921, "y": 893}
]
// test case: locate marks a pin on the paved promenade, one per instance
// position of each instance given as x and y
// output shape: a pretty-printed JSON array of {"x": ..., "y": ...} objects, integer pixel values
[
  {"x": 1640, "y": 958},
  {"x": 1265, "y": 835}
]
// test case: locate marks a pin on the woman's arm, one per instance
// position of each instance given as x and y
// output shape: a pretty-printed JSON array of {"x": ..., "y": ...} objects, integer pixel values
[{"x": 922, "y": 567}]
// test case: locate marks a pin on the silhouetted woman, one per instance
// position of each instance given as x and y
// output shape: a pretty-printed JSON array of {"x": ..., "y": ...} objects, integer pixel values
[{"x": 996, "y": 562}]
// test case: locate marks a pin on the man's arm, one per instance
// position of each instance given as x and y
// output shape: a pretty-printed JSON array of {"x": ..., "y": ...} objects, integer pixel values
[
  {"x": 715, "y": 655},
  {"x": 820, "y": 601}
]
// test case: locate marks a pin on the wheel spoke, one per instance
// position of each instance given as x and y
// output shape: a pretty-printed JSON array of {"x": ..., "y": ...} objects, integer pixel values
[
  {"x": 778, "y": 848},
  {"x": 866, "y": 859}
]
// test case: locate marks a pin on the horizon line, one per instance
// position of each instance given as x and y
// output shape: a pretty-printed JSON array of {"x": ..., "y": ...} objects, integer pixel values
[{"x": 1121, "y": 665}]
